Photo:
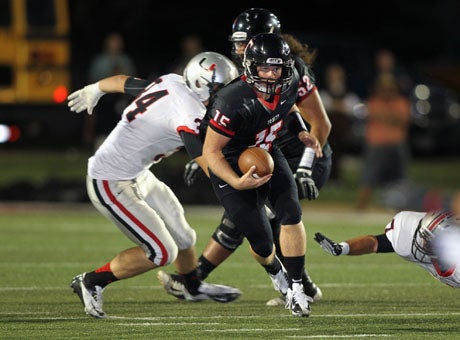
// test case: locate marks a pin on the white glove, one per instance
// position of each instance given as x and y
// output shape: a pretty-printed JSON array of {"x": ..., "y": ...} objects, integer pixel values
[
  {"x": 85, "y": 98},
  {"x": 328, "y": 245}
]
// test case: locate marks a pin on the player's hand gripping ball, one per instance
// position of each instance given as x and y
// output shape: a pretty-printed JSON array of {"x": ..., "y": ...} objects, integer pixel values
[{"x": 258, "y": 157}]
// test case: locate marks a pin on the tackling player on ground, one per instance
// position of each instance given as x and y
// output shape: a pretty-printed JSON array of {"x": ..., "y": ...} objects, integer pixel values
[{"x": 418, "y": 237}]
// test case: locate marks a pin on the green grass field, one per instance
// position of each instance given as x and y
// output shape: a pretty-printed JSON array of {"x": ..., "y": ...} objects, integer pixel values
[{"x": 376, "y": 296}]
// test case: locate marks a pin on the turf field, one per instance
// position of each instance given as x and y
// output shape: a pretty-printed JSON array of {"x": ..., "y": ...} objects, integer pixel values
[{"x": 376, "y": 296}]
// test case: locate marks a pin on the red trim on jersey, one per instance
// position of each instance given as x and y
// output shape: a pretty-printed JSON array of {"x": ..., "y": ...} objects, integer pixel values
[
  {"x": 392, "y": 226},
  {"x": 271, "y": 106},
  {"x": 136, "y": 221},
  {"x": 221, "y": 128},
  {"x": 306, "y": 95},
  {"x": 184, "y": 128}
]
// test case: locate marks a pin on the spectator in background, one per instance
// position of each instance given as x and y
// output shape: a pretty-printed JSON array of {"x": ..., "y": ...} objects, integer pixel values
[
  {"x": 111, "y": 61},
  {"x": 190, "y": 45},
  {"x": 339, "y": 103},
  {"x": 386, "y": 64},
  {"x": 386, "y": 152},
  {"x": 455, "y": 202}
]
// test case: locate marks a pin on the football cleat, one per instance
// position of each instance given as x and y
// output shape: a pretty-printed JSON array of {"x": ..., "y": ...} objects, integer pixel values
[
  {"x": 311, "y": 289},
  {"x": 280, "y": 281},
  {"x": 91, "y": 297},
  {"x": 173, "y": 284},
  {"x": 219, "y": 293},
  {"x": 297, "y": 301}
]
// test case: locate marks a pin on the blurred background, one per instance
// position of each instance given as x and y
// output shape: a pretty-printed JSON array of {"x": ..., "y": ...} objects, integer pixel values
[{"x": 49, "y": 48}]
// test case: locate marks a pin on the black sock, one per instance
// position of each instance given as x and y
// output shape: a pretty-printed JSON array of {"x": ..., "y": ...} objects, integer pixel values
[
  {"x": 192, "y": 281},
  {"x": 306, "y": 279},
  {"x": 273, "y": 267},
  {"x": 295, "y": 267},
  {"x": 101, "y": 279},
  {"x": 205, "y": 267}
]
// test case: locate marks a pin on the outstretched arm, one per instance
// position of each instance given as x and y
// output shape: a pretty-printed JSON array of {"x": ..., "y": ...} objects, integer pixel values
[
  {"x": 88, "y": 97},
  {"x": 360, "y": 245}
]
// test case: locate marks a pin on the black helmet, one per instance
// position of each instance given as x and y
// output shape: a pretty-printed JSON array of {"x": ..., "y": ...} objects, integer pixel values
[
  {"x": 254, "y": 21},
  {"x": 249, "y": 23},
  {"x": 268, "y": 49}
]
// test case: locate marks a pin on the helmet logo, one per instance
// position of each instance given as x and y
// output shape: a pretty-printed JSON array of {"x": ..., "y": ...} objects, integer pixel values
[
  {"x": 239, "y": 36},
  {"x": 210, "y": 68},
  {"x": 274, "y": 61}
]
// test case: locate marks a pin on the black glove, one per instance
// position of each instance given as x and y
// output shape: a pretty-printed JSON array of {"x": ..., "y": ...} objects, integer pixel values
[
  {"x": 306, "y": 187},
  {"x": 328, "y": 245},
  {"x": 192, "y": 169}
]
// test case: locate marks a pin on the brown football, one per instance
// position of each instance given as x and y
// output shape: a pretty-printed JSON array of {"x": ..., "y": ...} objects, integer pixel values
[{"x": 258, "y": 157}]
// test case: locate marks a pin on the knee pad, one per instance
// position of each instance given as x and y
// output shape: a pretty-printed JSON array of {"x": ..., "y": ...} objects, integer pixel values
[
  {"x": 187, "y": 238},
  {"x": 290, "y": 211},
  {"x": 261, "y": 248},
  {"x": 227, "y": 235}
]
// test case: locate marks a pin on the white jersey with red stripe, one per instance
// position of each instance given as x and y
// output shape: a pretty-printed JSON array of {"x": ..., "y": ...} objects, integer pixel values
[
  {"x": 148, "y": 130},
  {"x": 400, "y": 232},
  {"x": 119, "y": 182}
]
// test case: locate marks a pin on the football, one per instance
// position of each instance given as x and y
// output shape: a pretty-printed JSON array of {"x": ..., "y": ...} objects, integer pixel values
[{"x": 258, "y": 157}]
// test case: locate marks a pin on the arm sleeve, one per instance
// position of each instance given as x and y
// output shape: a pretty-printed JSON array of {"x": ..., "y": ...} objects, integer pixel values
[
  {"x": 384, "y": 245},
  {"x": 192, "y": 143},
  {"x": 134, "y": 86}
]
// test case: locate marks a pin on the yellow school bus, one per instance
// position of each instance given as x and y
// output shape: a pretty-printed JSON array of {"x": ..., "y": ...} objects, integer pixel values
[{"x": 34, "y": 51}]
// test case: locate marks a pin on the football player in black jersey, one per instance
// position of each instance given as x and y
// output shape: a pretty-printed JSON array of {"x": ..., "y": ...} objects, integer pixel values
[
  {"x": 251, "y": 111},
  {"x": 226, "y": 238}
]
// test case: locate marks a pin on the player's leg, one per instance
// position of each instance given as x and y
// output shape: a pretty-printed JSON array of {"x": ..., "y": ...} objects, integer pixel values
[
  {"x": 163, "y": 200},
  {"x": 223, "y": 242},
  {"x": 310, "y": 288},
  {"x": 119, "y": 201},
  {"x": 320, "y": 174},
  {"x": 292, "y": 239}
]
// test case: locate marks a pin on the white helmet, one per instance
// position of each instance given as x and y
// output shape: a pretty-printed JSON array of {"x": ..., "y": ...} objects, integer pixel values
[
  {"x": 429, "y": 227},
  {"x": 207, "y": 72}
]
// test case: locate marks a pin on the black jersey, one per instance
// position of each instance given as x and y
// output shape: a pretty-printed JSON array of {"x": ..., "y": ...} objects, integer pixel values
[
  {"x": 239, "y": 113},
  {"x": 289, "y": 144}
]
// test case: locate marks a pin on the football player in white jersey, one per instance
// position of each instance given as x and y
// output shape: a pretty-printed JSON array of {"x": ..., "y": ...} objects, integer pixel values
[
  {"x": 419, "y": 237},
  {"x": 163, "y": 118}
]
